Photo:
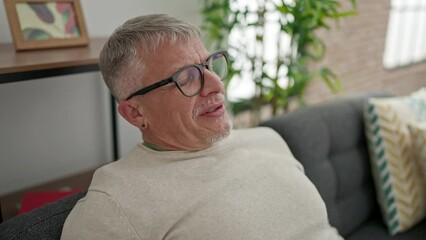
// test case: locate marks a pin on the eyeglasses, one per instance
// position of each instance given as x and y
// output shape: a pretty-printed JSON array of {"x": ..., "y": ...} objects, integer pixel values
[{"x": 190, "y": 79}]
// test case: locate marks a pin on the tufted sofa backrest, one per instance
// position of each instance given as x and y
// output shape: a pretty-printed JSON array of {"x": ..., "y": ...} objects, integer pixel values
[{"x": 328, "y": 139}]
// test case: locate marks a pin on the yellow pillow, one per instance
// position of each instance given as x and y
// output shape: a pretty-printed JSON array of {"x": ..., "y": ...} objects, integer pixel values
[
  {"x": 399, "y": 184},
  {"x": 418, "y": 143}
]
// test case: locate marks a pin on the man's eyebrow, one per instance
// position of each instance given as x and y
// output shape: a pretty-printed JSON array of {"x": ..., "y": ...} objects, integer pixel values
[{"x": 177, "y": 68}]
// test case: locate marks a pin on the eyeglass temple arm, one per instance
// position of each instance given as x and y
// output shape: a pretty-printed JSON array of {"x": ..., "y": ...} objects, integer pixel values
[{"x": 151, "y": 87}]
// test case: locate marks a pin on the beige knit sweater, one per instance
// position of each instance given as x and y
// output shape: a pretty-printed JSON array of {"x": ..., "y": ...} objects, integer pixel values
[{"x": 248, "y": 186}]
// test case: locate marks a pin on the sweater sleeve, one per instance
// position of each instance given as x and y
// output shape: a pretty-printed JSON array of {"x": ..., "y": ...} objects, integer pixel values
[{"x": 98, "y": 216}]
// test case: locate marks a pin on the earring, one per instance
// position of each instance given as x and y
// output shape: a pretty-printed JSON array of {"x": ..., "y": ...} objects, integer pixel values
[{"x": 144, "y": 125}]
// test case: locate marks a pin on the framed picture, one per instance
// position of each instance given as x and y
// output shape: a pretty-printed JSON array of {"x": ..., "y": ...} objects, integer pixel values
[{"x": 37, "y": 24}]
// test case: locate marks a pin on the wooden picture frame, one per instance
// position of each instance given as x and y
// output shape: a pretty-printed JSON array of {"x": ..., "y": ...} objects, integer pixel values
[{"x": 37, "y": 24}]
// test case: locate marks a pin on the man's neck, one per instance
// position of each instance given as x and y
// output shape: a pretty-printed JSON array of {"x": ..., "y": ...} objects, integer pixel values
[{"x": 154, "y": 147}]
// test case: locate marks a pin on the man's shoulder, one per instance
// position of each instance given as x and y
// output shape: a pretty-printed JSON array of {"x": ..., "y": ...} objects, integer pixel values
[
  {"x": 106, "y": 177},
  {"x": 265, "y": 140},
  {"x": 259, "y": 138},
  {"x": 258, "y": 134},
  {"x": 115, "y": 174}
]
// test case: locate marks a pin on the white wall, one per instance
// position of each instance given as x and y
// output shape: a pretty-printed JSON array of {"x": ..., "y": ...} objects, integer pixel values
[
  {"x": 55, "y": 127},
  {"x": 51, "y": 128}
]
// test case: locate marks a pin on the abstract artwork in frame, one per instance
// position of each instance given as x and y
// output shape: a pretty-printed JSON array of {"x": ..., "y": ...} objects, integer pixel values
[{"x": 37, "y": 24}]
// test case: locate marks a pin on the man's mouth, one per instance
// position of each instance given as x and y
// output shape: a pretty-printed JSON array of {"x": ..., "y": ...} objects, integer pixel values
[{"x": 214, "y": 111}]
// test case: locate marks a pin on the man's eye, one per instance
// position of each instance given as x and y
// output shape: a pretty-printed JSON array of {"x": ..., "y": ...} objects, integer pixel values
[{"x": 188, "y": 76}]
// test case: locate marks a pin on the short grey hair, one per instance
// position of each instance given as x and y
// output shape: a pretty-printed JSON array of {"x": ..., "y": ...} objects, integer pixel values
[{"x": 123, "y": 58}]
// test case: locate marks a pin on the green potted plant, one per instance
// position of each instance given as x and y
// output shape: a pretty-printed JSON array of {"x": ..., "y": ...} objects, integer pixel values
[{"x": 281, "y": 73}]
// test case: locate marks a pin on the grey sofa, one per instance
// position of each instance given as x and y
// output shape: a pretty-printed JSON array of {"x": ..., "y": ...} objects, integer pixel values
[{"x": 328, "y": 139}]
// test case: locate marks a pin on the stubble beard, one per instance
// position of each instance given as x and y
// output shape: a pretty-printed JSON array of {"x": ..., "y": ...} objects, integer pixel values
[
  {"x": 224, "y": 122},
  {"x": 221, "y": 133}
]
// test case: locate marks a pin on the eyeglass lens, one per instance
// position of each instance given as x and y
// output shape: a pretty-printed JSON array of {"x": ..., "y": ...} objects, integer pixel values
[{"x": 189, "y": 80}]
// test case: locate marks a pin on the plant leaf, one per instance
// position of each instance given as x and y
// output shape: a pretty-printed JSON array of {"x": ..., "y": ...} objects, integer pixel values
[
  {"x": 35, "y": 34},
  {"x": 42, "y": 12}
]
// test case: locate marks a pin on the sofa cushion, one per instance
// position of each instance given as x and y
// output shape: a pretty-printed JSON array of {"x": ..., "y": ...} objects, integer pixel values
[
  {"x": 400, "y": 189},
  {"x": 418, "y": 141},
  {"x": 328, "y": 140}
]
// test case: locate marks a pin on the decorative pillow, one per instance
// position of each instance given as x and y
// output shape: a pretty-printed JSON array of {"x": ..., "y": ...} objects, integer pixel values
[
  {"x": 399, "y": 186},
  {"x": 418, "y": 142}
]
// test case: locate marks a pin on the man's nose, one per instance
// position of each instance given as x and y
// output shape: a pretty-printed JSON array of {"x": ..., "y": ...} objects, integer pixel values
[{"x": 212, "y": 83}]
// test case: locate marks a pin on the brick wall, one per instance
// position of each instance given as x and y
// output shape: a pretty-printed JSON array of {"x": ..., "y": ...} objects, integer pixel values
[{"x": 355, "y": 49}]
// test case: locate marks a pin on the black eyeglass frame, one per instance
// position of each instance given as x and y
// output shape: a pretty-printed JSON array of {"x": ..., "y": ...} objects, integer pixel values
[{"x": 174, "y": 77}]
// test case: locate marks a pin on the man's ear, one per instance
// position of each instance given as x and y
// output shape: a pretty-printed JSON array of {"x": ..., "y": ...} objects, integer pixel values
[{"x": 129, "y": 110}]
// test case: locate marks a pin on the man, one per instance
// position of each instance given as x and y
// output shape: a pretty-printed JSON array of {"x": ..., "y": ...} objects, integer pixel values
[{"x": 192, "y": 178}]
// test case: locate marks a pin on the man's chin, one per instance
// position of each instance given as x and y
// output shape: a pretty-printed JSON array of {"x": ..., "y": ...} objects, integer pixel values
[{"x": 221, "y": 133}]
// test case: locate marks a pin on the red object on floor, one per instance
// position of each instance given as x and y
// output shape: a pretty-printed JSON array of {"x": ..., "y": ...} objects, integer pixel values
[{"x": 32, "y": 200}]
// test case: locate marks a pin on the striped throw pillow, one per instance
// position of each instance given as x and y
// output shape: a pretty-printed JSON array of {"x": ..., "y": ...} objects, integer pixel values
[{"x": 399, "y": 184}]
